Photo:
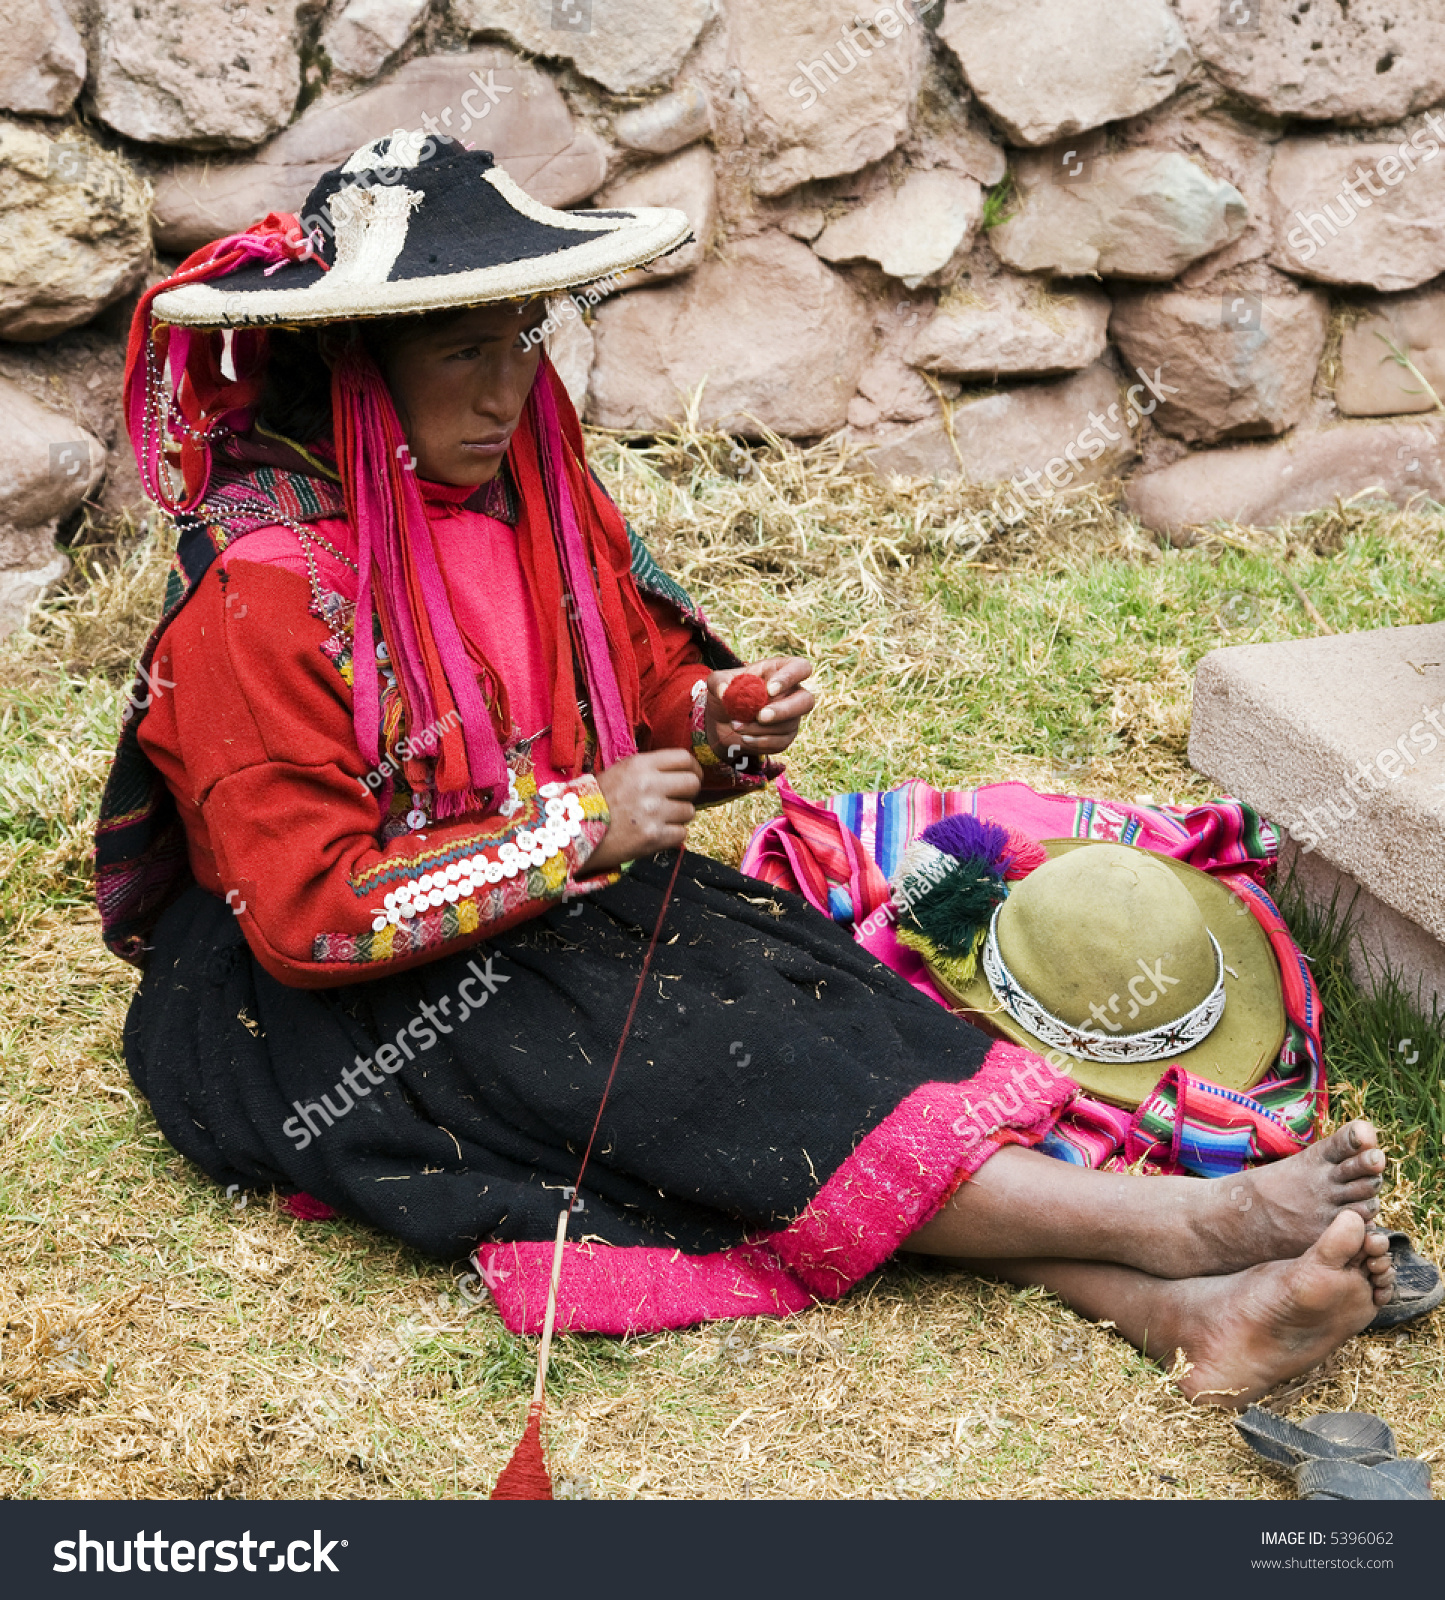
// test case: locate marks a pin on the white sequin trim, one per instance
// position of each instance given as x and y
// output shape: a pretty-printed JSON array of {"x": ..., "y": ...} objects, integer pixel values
[{"x": 459, "y": 880}]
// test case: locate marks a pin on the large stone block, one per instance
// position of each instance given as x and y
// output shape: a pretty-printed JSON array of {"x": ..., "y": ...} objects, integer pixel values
[
  {"x": 1341, "y": 742},
  {"x": 1372, "y": 381},
  {"x": 625, "y": 45},
  {"x": 42, "y": 59},
  {"x": 1242, "y": 366},
  {"x": 1045, "y": 436},
  {"x": 48, "y": 463},
  {"x": 1384, "y": 939},
  {"x": 221, "y": 78},
  {"x": 1262, "y": 484},
  {"x": 1046, "y": 69},
  {"x": 913, "y": 230},
  {"x": 74, "y": 231},
  {"x": 1370, "y": 214},
  {"x": 1008, "y": 326},
  {"x": 1201, "y": 124},
  {"x": 487, "y": 97},
  {"x": 828, "y": 90},
  {"x": 22, "y": 585},
  {"x": 952, "y": 132},
  {"x": 779, "y": 338},
  {"x": 79, "y": 375},
  {"x": 890, "y": 391},
  {"x": 1134, "y": 214},
  {"x": 1366, "y": 61}
]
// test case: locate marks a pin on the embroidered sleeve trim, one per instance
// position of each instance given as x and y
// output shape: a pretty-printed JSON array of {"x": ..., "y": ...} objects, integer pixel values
[{"x": 482, "y": 878}]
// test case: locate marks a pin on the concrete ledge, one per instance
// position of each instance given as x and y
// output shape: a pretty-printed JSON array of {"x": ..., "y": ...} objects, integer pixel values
[
  {"x": 1384, "y": 940},
  {"x": 1340, "y": 741}
]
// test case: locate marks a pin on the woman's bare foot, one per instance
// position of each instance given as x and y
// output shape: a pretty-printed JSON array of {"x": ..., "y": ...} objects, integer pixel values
[
  {"x": 1246, "y": 1332},
  {"x": 1243, "y": 1332},
  {"x": 1169, "y": 1227},
  {"x": 1277, "y": 1211}
]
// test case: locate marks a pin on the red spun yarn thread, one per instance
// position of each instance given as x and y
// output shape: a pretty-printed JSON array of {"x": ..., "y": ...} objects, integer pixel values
[
  {"x": 525, "y": 1476},
  {"x": 744, "y": 697}
]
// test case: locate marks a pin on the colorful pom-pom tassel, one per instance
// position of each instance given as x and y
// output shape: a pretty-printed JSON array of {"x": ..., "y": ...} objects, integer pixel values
[
  {"x": 1025, "y": 855},
  {"x": 958, "y": 970},
  {"x": 967, "y": 836},
  {"x": 952, "y": 877}
]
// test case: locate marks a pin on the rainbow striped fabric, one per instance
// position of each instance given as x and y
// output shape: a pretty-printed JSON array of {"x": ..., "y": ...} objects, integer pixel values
[{"x": 840, "y": 855}]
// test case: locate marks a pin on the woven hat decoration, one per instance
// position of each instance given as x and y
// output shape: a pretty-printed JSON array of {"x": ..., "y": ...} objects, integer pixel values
[
  {"x": 948, "y": 884},
  {"x": 413, "y": 223}
]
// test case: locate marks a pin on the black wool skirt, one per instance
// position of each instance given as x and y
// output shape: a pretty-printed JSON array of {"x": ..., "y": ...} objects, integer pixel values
[{"x": 787, "y": 1109}]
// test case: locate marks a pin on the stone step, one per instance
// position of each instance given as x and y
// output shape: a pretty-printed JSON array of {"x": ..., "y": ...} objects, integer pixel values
[{"x": 1340, "y": 742}]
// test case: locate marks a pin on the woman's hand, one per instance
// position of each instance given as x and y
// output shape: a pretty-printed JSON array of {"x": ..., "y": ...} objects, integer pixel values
[
  {"x": 778, "y": 722},
  {"x": 650, "y": 798}
]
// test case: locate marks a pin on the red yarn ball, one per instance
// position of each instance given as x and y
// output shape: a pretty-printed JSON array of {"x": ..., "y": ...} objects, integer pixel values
[{"x": 744, "y": 697}]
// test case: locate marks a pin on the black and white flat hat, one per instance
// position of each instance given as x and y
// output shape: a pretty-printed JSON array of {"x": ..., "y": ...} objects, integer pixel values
[{"x": 402, "y": 230}]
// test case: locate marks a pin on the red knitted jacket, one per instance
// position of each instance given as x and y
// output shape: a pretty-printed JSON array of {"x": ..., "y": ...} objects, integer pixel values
[{"x": 251, "y": 727}]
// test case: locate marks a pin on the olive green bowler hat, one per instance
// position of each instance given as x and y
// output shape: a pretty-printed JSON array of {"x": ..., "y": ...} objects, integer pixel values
[{"x": 1119, "y": 963}]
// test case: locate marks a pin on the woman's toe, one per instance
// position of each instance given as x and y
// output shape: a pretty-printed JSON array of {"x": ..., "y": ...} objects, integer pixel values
[
  {"x": 1353, "y": 1138},
  {"x": 1367, "y": 1164}
]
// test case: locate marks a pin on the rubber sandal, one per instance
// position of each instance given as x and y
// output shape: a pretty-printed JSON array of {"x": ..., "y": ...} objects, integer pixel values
[
  {"x": 1339, "y": 1455},
  {"x": 1334, "y": 1435},
  {"x": 1350, "y": 1480},
  {"x": 1419, "y": 1287}
]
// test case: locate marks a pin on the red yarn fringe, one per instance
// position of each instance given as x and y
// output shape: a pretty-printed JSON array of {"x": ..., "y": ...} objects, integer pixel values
[
  {"x": 1024, "y": 856},
  {"x": 525, "y": 1476}
]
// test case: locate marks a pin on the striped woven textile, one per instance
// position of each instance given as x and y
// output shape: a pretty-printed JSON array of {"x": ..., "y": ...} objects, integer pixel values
[{"x": 841, "y": 854}]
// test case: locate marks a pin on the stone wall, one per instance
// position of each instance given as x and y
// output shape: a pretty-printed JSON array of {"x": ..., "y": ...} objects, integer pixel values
[{"x": 1198, "y": 244}]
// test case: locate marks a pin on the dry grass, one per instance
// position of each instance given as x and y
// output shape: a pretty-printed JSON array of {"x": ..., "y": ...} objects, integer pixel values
[{"x": 158, "y": 1340}]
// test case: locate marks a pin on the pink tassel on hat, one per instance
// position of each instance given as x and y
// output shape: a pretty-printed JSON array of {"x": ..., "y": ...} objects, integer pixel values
[{"x": 149, "y": 398}]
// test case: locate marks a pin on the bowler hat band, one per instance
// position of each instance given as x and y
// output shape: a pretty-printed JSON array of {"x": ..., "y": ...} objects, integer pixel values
[{"x": 1151, "y": 1044}]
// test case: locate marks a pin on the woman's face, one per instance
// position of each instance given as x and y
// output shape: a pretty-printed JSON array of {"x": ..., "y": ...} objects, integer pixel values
[{"x": 459, "y": 389}]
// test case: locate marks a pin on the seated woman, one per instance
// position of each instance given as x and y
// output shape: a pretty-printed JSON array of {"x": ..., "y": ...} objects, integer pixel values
[{"x": 421, "y": 729}]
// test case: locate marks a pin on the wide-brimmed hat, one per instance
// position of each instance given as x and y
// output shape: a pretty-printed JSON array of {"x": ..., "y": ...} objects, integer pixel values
[
  {"x": 412, "y": 223},
  {"x": 1116, "y": 961}
]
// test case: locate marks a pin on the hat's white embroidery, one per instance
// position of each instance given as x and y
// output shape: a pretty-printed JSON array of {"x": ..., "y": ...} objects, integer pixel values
[
  {"x": 403, "y": 149},
  {"x": 371, "y": 229},
  {"x": 1152, "y": 1044}
]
